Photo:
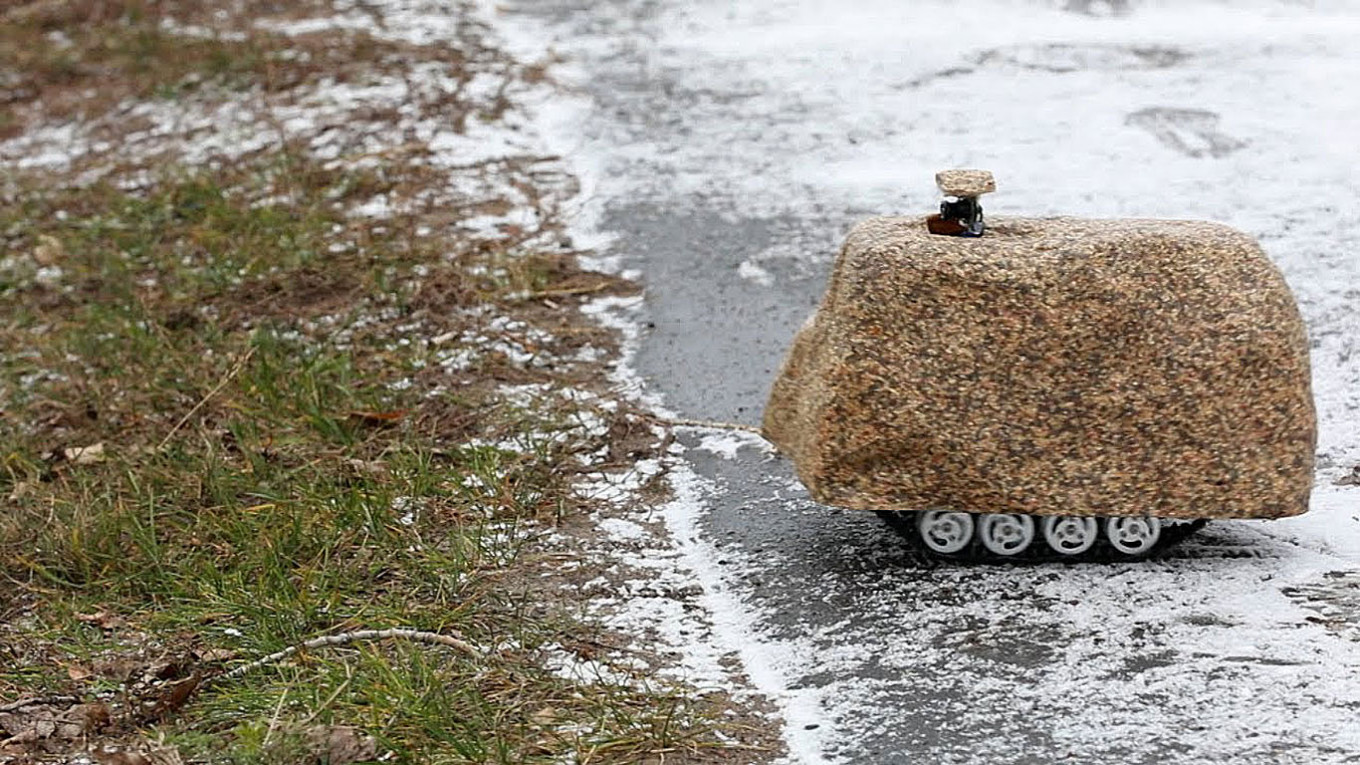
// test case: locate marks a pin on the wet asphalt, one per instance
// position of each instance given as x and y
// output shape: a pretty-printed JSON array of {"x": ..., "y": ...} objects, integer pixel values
[
  {"x": 910, "y": 661},
  {"x": 947, "y": 663},
  {"x": 711, "y": 346}
]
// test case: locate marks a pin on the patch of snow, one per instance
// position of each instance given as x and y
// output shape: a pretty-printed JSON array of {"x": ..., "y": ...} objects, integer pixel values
[
  {"x": 619, "y": 488},
  {"x": 409, "y": 508},
  {"x": 48, "y": 275},
  {"x": 294, "y": 27},
  {"x": 619, "y": 529},
  {"x": 458, "y": 359},
  {"x": 752, "y": 272},
  {"x": 377, "y": 207},
  {"x": 731, "y": 623},
  {"x": 726, "y": 445},
  {"x": 501, "y": 226}
]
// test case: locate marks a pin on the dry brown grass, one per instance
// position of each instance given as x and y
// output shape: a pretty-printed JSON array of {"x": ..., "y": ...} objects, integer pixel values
[
  {"x": 65, "y": 59},
  {"x": 307, "y": 422}
]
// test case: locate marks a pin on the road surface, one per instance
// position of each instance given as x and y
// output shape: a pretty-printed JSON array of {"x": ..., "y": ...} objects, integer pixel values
[{"x": 730, "y": 146}]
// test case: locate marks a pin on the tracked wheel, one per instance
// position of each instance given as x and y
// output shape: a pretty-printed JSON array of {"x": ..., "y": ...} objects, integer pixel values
[
  {"x": 1070, "y": 535},
  {"x": 945, "y": 532},
  {"x": 1005, "y": 534},
  {"x": 997, "y": 537},
  {"x": 1133, "y": 537}
]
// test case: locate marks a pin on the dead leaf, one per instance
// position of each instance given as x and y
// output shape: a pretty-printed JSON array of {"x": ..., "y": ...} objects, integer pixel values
[
  {"x": 41, "y": 722},
  {"x": 367, "y": 467},
  {"x": 102, "y": 619},
  {"x": 109, "y": 757},
  {"x": 77, "y": 672},
  {"x": 19, "y": 739},
  {"x": 12, "y": 724},
  {"x": 92, "y": 717},
  {"x": 44, "y": 727},
  {"x": 118, "y": 668},
  {"x": 381, "y": 419},
  {"x": 86, "y": 455},
  {"x": 215, "y": 655},
  {"x": 22, "y": 489},
  {"x": 173, "y": 669},
  {"x": 49, "y": 250},
  {"x": 78, "y": 455},
  {"x": 341, "y": 745},
  {"x": 176, "y": 696}
]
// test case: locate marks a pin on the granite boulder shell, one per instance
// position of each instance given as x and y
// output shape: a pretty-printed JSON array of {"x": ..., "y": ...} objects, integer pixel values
[{"x": 1054, "y": 366}]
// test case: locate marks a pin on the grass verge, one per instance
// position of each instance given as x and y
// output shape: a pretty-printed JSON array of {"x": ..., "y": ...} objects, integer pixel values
[
  {"x": 236, "y": 416},
  {"x": 219, "y": 441}
]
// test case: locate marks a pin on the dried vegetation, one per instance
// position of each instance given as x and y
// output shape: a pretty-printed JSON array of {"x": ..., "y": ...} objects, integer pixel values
[{"x": 240, "y": 409}]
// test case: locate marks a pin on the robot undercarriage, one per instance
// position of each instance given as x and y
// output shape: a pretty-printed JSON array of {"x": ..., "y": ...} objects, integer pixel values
[{"x": 959, "y": 535}]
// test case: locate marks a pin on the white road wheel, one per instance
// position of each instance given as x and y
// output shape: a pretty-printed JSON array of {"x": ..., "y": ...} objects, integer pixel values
[
  {"x": 1133, "y": 536},
  {"x": 1006, "y": 533},
  {"x": 944, "y": 531},
  {"x": 1070, "y": 535}
]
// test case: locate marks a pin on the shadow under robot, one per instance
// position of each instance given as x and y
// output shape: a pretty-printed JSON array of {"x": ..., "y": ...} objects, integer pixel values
[{"x": 1050, "y": 387}]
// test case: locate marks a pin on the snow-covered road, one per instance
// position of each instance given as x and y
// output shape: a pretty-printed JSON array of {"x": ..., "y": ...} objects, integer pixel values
[{"x": 728, "y": 147}]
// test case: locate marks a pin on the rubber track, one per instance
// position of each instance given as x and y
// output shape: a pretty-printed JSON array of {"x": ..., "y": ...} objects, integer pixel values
[{"x": 1039, "y": 551}]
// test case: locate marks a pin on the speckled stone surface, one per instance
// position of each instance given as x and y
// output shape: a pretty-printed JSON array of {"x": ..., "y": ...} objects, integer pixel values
[
  {"x": 965, "y": 183},
  {"x": 1052, "y": 366}
]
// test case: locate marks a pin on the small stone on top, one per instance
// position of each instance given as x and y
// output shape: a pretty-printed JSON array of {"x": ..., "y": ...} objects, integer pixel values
[{"x": 965, "y": 183}]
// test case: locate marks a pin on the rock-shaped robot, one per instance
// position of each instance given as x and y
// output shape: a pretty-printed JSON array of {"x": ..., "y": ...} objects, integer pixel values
[{"x": 1049, "y": 386}]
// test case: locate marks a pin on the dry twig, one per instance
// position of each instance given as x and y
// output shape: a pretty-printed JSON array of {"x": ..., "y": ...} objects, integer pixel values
[
  {"x": 570, "y": 291},
  {"x": 46, "y": 700},
  {"x": 358, "y": 636},
  {"x": 710, "y": 425},
  {"x": 235, "y": 370}
]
